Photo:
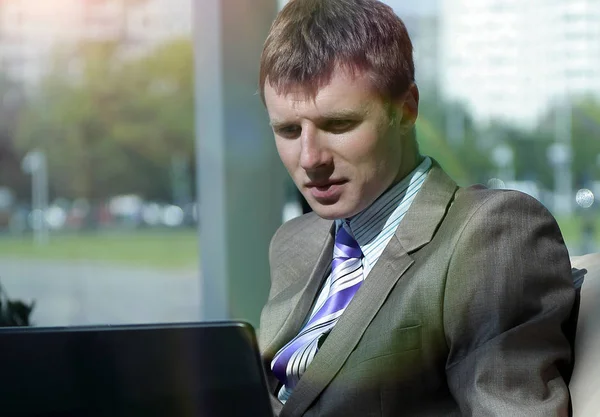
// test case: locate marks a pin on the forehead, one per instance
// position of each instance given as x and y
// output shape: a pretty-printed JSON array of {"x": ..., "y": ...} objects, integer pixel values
[{"x": 345, "y": 91}]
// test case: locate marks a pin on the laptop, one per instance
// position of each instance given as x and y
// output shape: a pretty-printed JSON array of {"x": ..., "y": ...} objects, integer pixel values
[{"x": 208, "y": 369}]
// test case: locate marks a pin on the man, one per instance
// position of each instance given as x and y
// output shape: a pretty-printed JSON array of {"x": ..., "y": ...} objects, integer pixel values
[{"x": 402, "y": 294}]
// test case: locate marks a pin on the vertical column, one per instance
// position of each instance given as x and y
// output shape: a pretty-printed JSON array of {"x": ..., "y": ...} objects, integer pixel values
[{"x": 240, "y": 178}]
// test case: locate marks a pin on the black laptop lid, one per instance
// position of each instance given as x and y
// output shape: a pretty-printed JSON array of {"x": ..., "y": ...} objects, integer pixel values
[{"x": 177, "y": 370}]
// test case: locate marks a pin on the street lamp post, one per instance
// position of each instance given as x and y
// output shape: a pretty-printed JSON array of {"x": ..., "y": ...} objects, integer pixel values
[{"x": 34, "y": 164}]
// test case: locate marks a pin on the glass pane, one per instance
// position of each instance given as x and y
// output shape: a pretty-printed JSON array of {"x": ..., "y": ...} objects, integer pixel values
[
  {"x": 97, "y": 179},
  {"x": 510, "y": 98}
]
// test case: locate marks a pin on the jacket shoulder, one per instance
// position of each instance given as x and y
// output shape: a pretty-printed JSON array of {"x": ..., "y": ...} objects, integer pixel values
[{"x": 478, "y": 198}]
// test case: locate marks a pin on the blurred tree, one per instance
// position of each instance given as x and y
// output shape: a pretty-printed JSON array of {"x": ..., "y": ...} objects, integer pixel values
[
  {"x": 446, "y": 132},
  {"x": 531, "y": 156},
  {"x": 529, "y": 148},
  {"x": 109, "y": 123},
  {"x": 586, "y": 141},
  {"x": 11, "y": 107},
  {"x": 467, "y": 157}
]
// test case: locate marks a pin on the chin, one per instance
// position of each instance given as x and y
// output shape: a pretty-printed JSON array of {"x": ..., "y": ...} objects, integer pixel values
[{"x": 331, "y": 212}]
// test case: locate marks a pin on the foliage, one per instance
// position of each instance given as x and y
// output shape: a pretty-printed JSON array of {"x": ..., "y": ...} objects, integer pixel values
[
  {"x": 11, "y": 105},
  {"x": 586, "y": 141},
  {"x": 108, "y": 123},
  {"x": 111, "y": 123},
  {"x": 466, "y": 159},
  {"x": 469, "y": 159}
]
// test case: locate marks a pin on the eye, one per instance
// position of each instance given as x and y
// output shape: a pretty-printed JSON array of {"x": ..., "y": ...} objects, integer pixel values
[
  {"x": 340, "y": 126},
  {"x": 289, "y": 132}
]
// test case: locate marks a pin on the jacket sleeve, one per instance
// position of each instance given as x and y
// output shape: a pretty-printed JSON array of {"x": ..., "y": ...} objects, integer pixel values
[{"x": 508, "y": 296}]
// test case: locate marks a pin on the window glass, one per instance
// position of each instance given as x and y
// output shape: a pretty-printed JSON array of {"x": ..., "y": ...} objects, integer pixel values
[
  {"x": 98, "y": 210},
  {"x": 98, "y": 220}
]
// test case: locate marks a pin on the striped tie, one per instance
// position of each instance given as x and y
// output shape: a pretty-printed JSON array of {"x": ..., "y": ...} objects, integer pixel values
[{"x": 346, "y": 277}]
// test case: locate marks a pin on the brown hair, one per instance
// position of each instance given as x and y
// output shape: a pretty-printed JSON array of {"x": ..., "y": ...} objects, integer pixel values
[{"x": 309, "y": 38}]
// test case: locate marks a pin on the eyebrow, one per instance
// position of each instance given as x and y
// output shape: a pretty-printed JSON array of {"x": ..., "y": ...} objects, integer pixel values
[
  {"x": 345, "y": 113},
  {"x": 341, "y": 114}
]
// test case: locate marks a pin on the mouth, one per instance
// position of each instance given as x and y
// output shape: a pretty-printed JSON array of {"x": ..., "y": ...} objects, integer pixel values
[
  {"x": 326, "y": 192},
  {"x": 323, "y": 184}
]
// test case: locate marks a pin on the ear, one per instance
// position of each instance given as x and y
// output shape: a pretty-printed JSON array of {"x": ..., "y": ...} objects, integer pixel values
[{"x": 409, "y": 106}]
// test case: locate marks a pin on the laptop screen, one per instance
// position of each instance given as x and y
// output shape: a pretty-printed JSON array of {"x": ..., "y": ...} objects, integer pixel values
[{"x": 181, "y": 370}]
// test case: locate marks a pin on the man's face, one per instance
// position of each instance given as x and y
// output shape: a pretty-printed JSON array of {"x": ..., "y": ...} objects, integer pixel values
[{"x": 340, "y": 147}]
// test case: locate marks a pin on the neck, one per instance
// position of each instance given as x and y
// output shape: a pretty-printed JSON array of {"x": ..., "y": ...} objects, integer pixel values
[{"x": 410, "y": 162}]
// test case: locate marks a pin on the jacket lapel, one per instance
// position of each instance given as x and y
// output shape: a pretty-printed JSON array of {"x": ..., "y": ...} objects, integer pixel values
[
  {"x": 306, "y": 290},
  {"x": 427, "y": 210},
  {"x": 416, "y": 230}
]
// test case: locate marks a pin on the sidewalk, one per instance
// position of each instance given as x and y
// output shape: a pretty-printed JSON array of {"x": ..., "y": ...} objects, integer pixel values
[{"x": 82, "y": 293}]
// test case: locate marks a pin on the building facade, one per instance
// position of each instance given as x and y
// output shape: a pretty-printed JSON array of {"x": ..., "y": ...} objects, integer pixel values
[
  {"x": 31, "y": 30},
  {"x": 511, "y": 60}
]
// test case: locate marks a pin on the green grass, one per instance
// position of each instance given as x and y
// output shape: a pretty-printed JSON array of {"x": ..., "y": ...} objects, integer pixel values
[
  {"x": 571, "y": 228},
  {"x": 167, "y": 249}
]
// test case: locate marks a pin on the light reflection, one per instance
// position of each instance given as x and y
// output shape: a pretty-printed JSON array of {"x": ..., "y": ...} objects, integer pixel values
[{"x": 584, "y": 198}]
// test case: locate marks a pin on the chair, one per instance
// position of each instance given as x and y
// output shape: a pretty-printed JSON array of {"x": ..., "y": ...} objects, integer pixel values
[{"x": 585, "y": 381}]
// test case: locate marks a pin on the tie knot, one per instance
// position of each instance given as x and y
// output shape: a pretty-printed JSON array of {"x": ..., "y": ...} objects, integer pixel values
[{"x": 346, "y": 246}]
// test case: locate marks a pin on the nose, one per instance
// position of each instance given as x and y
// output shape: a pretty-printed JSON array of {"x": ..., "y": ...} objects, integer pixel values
[{"x": 314, "y": 153}]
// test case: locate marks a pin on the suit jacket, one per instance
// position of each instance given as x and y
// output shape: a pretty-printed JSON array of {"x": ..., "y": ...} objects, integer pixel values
[{"x": 463, "y": 313}]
